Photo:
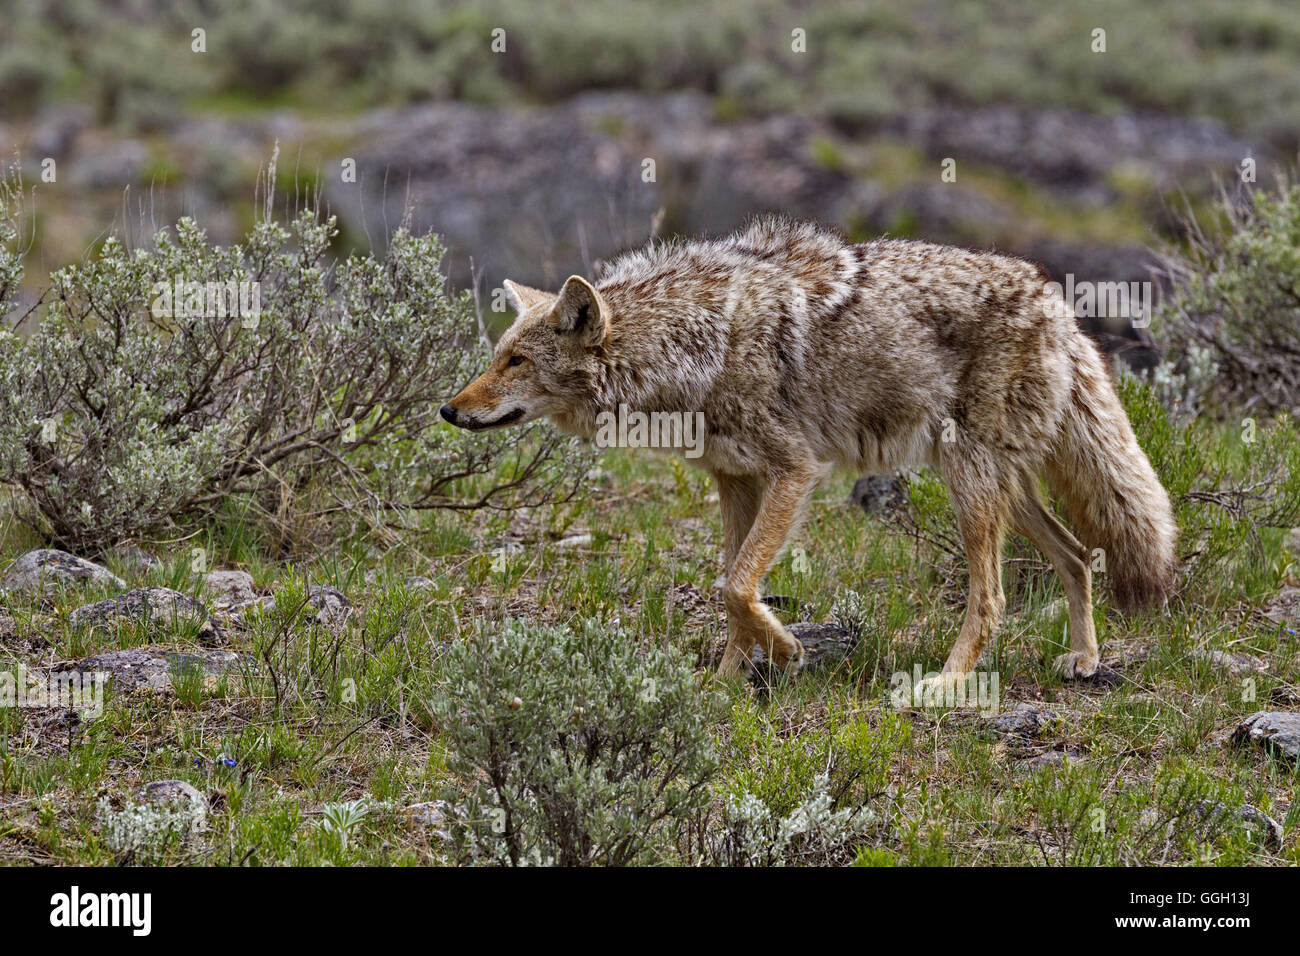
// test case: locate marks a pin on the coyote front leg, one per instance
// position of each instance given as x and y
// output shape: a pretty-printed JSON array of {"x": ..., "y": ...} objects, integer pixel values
[
  {"x": 740, "y": 498},
  {"x": 748, "y": 619}
]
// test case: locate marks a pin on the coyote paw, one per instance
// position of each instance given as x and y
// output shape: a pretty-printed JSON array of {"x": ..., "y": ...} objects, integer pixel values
[
  {"x": 792, "y": 664},
  {"x": 1076, "y": 665},
  {"x": 734, "y": 662}
]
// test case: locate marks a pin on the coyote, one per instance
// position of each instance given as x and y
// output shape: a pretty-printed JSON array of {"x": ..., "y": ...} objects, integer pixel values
[{"x": 804, "y": 352}]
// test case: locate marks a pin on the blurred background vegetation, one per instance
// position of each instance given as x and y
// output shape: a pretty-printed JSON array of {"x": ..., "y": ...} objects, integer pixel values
[
  {"x": 528, "y": 159},
  {"x": 866, "y": 61}
]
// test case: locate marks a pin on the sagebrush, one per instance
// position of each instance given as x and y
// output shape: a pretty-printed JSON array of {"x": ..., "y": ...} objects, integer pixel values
[
  {"x": 586, "y": 747},
  {"x": 157, "y": 384}
]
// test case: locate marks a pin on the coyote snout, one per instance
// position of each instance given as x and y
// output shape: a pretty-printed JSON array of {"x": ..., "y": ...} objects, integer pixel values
[
  {"x": 500, "y": 396},
  {"x": 803, "y": 351},
  {"x": 477, "y": 424}
]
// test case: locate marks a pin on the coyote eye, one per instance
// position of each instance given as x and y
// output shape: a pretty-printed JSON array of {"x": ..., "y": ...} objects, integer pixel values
[{"x": 516, "y": 360}]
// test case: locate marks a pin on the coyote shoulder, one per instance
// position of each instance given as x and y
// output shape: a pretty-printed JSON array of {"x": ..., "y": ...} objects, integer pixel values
[{"x": 804, "y": 352}]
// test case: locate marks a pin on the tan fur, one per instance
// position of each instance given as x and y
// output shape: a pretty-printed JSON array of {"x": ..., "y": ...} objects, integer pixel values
[{"x": 805, "y": 352}]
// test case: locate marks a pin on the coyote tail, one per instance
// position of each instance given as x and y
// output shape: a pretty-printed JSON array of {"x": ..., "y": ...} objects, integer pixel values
[{"x": 1110, "y": 492}]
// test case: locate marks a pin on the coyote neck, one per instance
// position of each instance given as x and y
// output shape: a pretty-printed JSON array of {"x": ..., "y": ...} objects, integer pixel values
[{"x": 629, "y": 377}]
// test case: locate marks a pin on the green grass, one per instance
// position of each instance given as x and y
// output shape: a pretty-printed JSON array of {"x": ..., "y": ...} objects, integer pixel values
[{"x": 331, "y": 733}]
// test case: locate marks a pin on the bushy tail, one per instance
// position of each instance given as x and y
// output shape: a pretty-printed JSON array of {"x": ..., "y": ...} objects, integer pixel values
[{"x": 1109, "y": 490}]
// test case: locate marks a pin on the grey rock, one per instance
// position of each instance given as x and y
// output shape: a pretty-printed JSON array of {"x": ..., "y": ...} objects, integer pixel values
[
  {"x": 285, "y": 125},
  {"x": 1048, "y": 758},
  {"x": 824, "y": 645},
  {"x": 122, "y": 163},
  {"x": 213, "y": 137},
  {"x": 1026, "y": 722},
  {"x": 878, "y": 493},
  {"x": 545, "y": 179},
  {"x": 946, "y": 211},
  {"x": 151, "y": 668},
  {"x": 1276, "y": 731},
  {"x": 325, "y": 605},
  {"x": 1122, "y": 262},
  {"x": 239, "y": 613},
  {"x": 1235, "y": 664},
  {"x": 513, "y": 164},
  {"x": 57, "y": 130},
  {"x": 158, "y": 607},
  {"x": 331, "y": 606},
  {"x": 137, "y": 557},
  {"x": 432, "y": 813},
  {"x": 1072, "y": 150},
  {"x": 1284, "y": 608},
  {"x": 48, "y": 568},
  {"x": 229, "y": 587},
  {"x": 170, "y": 793},
  {"x": 418, "y": 582},
  {"x": 1218, "y": 816},
  {"x": 575, "y": 541}
]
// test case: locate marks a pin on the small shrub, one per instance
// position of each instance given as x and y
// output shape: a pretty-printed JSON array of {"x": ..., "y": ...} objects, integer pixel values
[
  {"x": 142, "y": 833},
  {"x": 814, "y": 833},
  {"x": 1232, "y": 320},
  {"x": 852, "y": 611},
  {"x": 585, "y": 748}
]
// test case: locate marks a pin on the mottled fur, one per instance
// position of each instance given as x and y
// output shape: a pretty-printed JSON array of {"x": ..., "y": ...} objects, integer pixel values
[{"x": 805, "y": 352}]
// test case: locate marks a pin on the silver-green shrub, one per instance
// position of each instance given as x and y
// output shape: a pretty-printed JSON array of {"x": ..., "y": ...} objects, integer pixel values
[
  {"x": 142, "y": 833},
  {"x": 309, "y": 388},
  {"x": 581, "y": 746},
  {"x": 1231, "y": 322},
  {"x": 815, "y": 832}
]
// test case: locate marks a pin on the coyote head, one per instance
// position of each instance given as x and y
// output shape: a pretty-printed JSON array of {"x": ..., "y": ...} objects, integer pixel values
[{"x": 543, "y": 364}]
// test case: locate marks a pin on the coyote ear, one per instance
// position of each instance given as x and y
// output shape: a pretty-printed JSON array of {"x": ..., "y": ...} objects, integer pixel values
[
  {"x": 581, "y": 311},
  {"x": 522, "y": 297}
]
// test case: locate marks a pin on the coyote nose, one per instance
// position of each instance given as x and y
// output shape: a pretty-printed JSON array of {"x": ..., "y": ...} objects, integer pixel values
[{"x": 448, "y": 413}]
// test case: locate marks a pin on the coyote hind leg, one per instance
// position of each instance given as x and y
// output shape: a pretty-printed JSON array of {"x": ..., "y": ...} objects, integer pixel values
[
  {"x": 1033, "y": 520},
  {"x": 980, "y": 506}
]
